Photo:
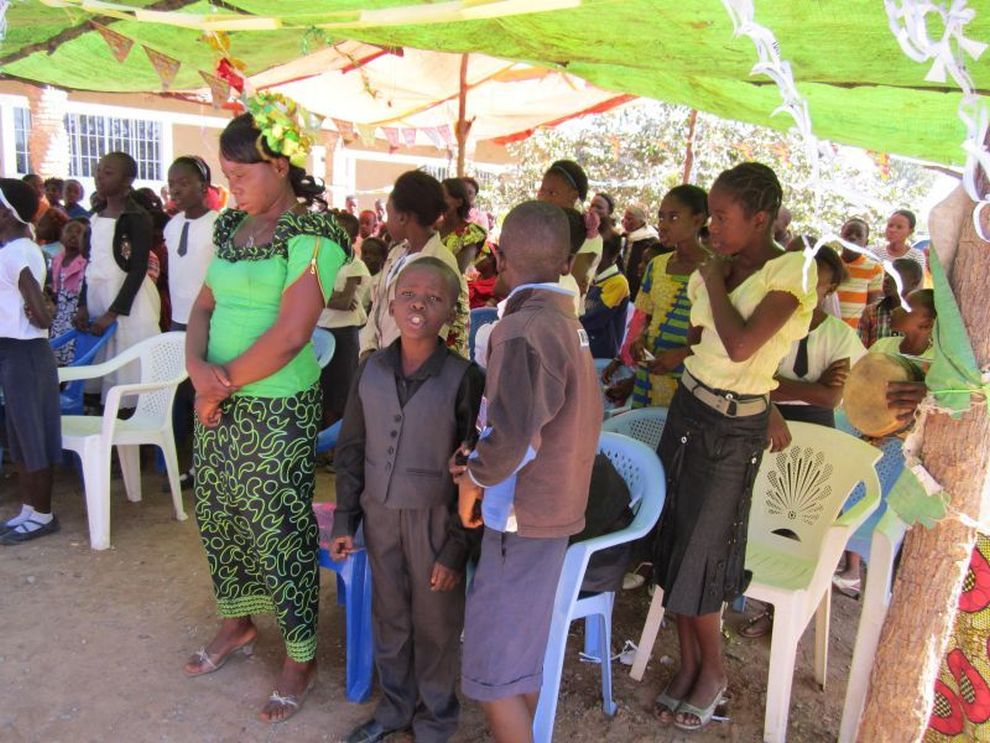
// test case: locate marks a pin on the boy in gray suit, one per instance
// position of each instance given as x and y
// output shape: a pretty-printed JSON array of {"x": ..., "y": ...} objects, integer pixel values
[{"x": 408, "y": 410}]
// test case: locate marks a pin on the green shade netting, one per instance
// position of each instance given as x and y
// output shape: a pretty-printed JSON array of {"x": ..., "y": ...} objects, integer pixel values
[
  {"x": 861, "y": 88},
  {"x": 956, "y": 383}
]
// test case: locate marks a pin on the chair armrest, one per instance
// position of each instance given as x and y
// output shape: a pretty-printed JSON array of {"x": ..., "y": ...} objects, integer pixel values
[
  {"x": 91, "y": 371},
  {"x": 854, "y": 517}
]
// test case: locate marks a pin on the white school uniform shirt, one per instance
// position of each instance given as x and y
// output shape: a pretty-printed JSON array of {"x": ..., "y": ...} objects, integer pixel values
[
  {"x": 187, "y": 272},
  {"x": 829, "y": 342},
  {"x": 348, "y": 318},
  {"x": 15, "y": 256}
]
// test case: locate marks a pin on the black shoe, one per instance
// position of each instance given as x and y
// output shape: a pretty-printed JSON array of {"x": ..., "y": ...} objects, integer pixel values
[
  {"x": 370, "y": 732},
  {"x": 13, "y": 536}
]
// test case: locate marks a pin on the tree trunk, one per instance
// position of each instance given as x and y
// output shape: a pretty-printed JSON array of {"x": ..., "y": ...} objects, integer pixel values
[
  {"x": 934, "y": 561},
  {"x": 463, "y": 127}
]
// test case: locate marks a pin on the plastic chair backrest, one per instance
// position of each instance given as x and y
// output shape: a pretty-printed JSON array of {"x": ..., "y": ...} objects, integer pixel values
[
  {"x": 163, "y": 358},
  {"x": 324, "y": 345},
  {"x": 642, "y": 472},
  {"x": 480, "y": 316},
  {"x": 642, "y": 424},
  {"x": 800, "y": 491}
]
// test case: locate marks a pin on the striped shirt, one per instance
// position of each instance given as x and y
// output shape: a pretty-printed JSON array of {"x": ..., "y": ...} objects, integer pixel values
[{"x": 865, "y": 278}]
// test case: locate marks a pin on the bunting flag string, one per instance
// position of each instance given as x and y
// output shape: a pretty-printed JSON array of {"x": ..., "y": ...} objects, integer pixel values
[
  {"x": 392, "y": 136},
  {"x": 409, "y": 137},
  {"x": 165, "y": 67},
  {"x": 366, "y": 132},
  {"x": 120, "y": 45},
  {"x": 346, "y": 129},
  {"x": 219, "y": 89}
]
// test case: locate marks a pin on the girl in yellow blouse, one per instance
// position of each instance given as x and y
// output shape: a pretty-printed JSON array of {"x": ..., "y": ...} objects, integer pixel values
[{"x": 749, "y": 303}]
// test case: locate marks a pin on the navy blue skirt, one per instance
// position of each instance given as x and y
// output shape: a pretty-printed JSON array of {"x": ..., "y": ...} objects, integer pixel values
[
  {"x": 711, "y": 461},
  {"x": 29, "y": 379}
]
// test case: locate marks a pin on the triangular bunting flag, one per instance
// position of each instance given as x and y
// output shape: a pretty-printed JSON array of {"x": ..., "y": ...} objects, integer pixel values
[
  {"x": 409, "y": 137},
  {"x": 392, "y": 136},
  {"x": 219, "y": 89},
  {"x": 166, "y": 67},
  {"x": 366, "y": 132},
  {"x": 446, "y": 134},
  {"x": 346, "y": 129},
  {"x": 433, "y": 134},
  {"x": 120, "y": 45}
]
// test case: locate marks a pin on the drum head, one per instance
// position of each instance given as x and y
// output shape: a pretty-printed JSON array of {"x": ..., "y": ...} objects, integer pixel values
[{"x": 865, "y": 394}]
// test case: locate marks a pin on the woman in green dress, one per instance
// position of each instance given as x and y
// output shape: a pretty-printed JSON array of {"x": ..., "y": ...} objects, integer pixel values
[{"x": 250, "y": 358}]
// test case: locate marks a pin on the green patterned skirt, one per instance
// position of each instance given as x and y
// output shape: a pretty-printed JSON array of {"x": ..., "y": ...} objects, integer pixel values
[{"x": 254, "y": 505}]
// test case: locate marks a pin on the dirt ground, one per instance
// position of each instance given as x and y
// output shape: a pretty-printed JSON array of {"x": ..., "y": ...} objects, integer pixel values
[{"x": 93, "y": 644}]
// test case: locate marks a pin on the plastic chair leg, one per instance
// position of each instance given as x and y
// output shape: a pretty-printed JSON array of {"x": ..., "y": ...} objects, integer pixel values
[
  {"x": 822, "y": 618},
  {"x": 130, "y": 468},
  {"x": 96, "y": 482},
  {"x": 553, "y": 666},
  {"x": 876, "y": 600},
  {"x": 783, "y": 648},
  {"x": 604, "y": 621},
  {"x": 649, "y": 636},
  {"x": 171, "y": 459}
]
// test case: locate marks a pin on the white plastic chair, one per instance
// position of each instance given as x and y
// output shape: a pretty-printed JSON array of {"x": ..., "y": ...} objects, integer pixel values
[
  {"x": 795, "y": 541},
  {"x": 324, "y": 344},
  {"x": 163, "y": 367},
  {"x": 642, "y": 424},
  {"x": 885, "y": 542},
  {"x": 641, "y": 469}
]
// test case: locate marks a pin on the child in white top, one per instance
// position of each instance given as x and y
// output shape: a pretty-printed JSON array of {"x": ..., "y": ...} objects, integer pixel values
[
  {"x": 188, "y": 235},
  {"x": 28, "y": 374}
]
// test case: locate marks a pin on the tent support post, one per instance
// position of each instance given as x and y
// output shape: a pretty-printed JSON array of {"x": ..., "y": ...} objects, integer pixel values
[
  {"x": 462, "y": 126},
  {"x": 689, "y": 147}
]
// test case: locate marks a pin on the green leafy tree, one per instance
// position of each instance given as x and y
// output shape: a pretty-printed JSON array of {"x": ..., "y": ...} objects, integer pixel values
[{"x": 636, "y": 153}]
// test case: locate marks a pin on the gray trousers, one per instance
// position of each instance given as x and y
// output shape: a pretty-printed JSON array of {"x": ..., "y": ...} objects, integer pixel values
[{"x": 416, "y": 631}]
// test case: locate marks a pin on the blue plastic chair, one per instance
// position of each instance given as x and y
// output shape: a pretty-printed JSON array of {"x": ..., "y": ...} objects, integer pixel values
[
  {"x": 641, "y": 469},
  {"x": 354, "y": 594},
  {"x": 86, "y": 347},
  {"x": 480, "y": 316},
  {"x": 324, "y": 345},
  {"x": 642, "y": 424}
]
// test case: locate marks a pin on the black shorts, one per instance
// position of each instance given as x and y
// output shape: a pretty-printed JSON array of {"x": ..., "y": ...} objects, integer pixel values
[{"x": 29, "y": 380}]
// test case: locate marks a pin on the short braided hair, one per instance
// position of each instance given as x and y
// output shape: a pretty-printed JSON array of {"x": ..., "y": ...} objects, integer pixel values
[{"x": 754, "y": 186}]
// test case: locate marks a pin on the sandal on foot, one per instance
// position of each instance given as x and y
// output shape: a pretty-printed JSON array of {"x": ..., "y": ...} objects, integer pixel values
[
  {"x": 704, "y": 715},
  {"x": 847, "y": 586},
  {"x": 289, "y": 702},
  {"x": 665, "y": 704},
  {"x": 758, "y": 626},
  {"x": 208, "y": 665}
]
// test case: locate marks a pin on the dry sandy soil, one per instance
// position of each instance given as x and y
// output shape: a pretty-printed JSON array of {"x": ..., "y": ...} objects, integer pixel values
[{"x": 93, "y": 643}]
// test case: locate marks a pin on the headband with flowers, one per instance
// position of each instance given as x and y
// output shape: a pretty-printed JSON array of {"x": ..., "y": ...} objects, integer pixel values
[{"x": 286, "y": 127}]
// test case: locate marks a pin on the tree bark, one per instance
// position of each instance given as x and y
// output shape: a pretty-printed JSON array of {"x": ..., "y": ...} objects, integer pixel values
[
  {"x": 934, "y": 561},
  {"x": 463, "y": 127},
  {"x": 689, "y": 146}
]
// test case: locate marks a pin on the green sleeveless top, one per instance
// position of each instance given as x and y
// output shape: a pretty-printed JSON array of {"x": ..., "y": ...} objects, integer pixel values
[{"x": 248, "y": 284}]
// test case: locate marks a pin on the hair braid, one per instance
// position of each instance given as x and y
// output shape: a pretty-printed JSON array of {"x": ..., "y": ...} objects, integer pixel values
[{"x": 754, "y": 186}]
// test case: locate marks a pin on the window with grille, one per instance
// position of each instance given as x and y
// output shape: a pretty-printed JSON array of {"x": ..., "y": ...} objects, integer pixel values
[
  {"x": 440, "y": 172},
  {"x": 91, "y": 137},
  {"x": 22, "y": 134}
]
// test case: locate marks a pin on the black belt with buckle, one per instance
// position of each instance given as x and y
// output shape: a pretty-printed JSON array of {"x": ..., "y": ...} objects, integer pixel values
[{"x": 725, "y": 403}]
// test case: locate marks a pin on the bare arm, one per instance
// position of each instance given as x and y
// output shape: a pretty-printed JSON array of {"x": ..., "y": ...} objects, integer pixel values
[
  {"x": 38, "y": 311},
  {"x": 466, "y": 257},
  {"x": 301, "y": 305},
  {"x": 345, "y": 299},
  {"x": 743, "y": 338},
  {"x": 581, "y": 268}
]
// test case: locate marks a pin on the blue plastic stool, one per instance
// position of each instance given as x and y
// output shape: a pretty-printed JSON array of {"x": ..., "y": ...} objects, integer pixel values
[
  {"x": 641, "y": 469},
  {"x": 354, "y": 594}
]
